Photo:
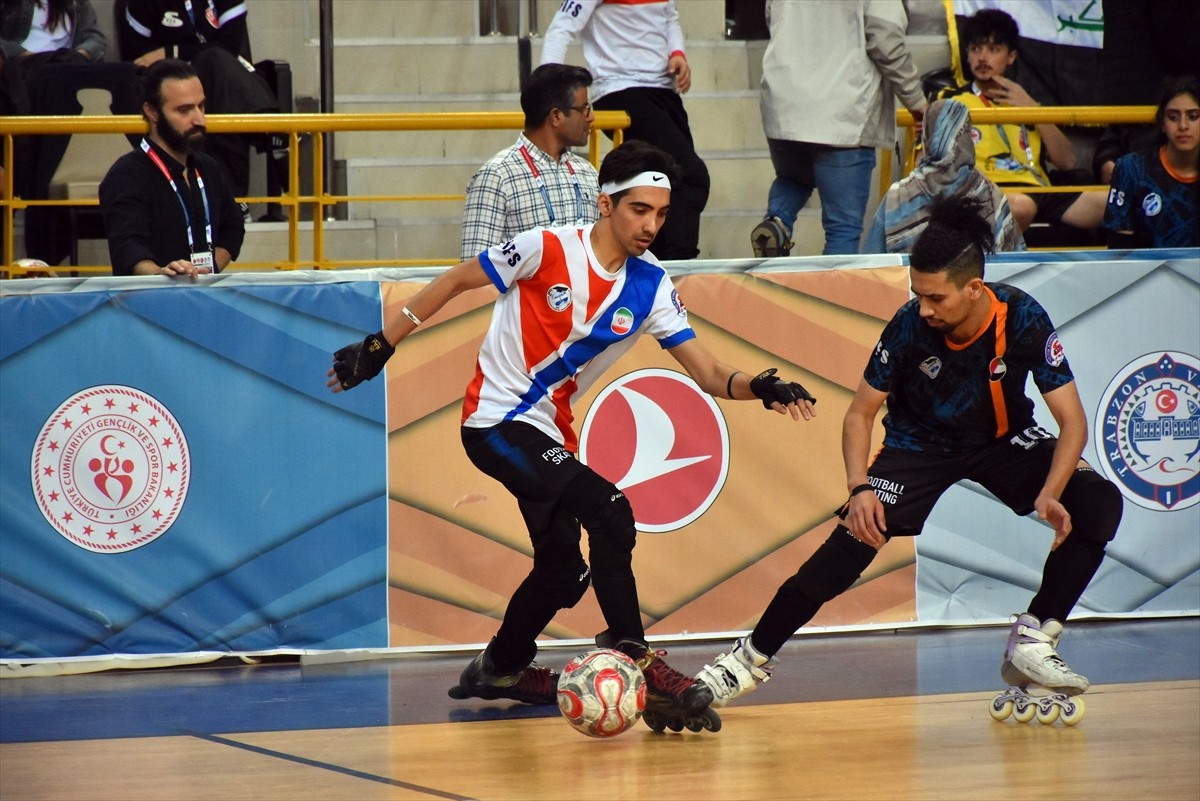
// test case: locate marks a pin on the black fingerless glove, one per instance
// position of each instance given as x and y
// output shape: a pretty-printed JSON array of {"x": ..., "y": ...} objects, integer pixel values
[
  {"x": 362, "y": 361},
  {"x": 768, "y": 388}
]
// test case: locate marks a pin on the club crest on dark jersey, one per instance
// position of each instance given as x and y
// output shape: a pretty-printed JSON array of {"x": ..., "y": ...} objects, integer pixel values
[
  {"x": 931, "y": 366},
  {"x": 1056, "y": 354},
  {"x": 997, "y": 369}
]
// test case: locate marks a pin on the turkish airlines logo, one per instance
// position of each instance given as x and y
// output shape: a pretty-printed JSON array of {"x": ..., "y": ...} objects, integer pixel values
[{"x": 663, "y": 442}]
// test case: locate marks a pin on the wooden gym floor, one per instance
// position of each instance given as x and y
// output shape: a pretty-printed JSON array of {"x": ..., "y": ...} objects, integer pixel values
[{"x": 894, "y": 715}]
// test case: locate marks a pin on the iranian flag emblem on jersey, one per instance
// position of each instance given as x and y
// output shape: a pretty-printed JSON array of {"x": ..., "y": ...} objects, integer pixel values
[{"x": 622, "y": 321}]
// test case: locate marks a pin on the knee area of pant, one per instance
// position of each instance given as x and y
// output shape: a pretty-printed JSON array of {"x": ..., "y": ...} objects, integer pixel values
[
  {"x": 833, "y": 569},
  {"x": 603, "y": 510},
  {"x": 564, "y": 584},
  {"x": 1095, "y": 505},
  {"x": 859, "y": 552}
]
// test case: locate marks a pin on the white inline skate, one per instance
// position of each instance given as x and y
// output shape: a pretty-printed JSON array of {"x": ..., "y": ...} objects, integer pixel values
[
  {"x": 736, "y": 673},
  {"x": 1030, "y": 660}
]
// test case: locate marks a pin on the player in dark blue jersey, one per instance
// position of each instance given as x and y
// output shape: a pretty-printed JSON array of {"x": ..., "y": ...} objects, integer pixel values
[
  {"x": 952, "y": 366},
  {"x": 1154, "y": 197}
]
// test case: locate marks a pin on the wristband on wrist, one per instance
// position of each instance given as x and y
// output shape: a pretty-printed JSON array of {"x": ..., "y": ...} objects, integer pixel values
[
  {"x": 860, "y": 488},
  {"x": 729, "y": 384},
  {"x": 677, "y": 53},
  {"x": 415, "y": 320}
]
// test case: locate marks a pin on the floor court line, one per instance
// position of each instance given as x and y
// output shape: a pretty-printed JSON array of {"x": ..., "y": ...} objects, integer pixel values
[{"x": 357, "y": 774}]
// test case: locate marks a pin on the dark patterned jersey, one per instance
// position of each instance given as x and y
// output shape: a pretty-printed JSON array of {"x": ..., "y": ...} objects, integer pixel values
[
  {"x": 947, "y": 398},
  {"x": 1161, "y": 210}
]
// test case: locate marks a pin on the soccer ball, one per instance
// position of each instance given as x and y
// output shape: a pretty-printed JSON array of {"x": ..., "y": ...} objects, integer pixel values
[{"x": 602, "y": 693}]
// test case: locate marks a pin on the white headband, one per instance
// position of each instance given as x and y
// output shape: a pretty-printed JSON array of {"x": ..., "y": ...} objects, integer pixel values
[{"x": 641, "y": 179}]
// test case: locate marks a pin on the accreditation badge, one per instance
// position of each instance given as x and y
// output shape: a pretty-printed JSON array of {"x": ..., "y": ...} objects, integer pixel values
[{"x": 204, "y": 262}]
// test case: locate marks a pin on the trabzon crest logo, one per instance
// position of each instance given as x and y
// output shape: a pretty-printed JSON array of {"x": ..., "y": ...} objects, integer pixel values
[{"x": 1147, "y": 431}]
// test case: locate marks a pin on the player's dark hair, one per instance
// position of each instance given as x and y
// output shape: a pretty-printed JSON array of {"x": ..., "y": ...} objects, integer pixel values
[
  {"x": 955, "y": 240},
  {"x": 991, "y": 25},
  {"x": 636, "y": 156},
  {"x": 167, "y": 69},
  {"x": 551, "y": 86},
  {"x": 1173, "y": 88}
]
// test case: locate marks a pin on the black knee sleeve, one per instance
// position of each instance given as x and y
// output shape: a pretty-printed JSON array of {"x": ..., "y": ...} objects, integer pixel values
[
  {"x": 563, "y": 585},
  {"x": 1095, "y": 505},
  {"x": 833, "y": 568},
  {"x": 605, "y": 512},
  {"x": 829, "y": 572}
]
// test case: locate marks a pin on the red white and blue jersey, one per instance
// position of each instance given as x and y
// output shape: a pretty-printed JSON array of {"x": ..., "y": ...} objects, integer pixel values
[{"x": 561, "y": 320}]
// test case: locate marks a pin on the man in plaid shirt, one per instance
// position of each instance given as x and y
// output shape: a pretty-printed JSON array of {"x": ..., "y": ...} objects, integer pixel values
[{"x": 538, "y": 182}]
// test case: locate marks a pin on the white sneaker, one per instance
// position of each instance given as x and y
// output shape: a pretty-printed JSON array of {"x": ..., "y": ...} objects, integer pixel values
[
  {"x": 736, "y": 673},
  {"x": 1031, "y": 657}
]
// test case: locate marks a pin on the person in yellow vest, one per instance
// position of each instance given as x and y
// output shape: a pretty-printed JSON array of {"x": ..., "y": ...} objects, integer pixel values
[{"x": 1015, "y": 155}]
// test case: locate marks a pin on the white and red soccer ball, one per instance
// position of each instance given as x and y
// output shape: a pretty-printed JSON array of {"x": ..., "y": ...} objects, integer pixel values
[{"x": 602, "y": 693}]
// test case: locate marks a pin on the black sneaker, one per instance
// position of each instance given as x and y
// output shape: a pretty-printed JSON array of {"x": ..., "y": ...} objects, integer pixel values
[{"x": 770, "y": 238}]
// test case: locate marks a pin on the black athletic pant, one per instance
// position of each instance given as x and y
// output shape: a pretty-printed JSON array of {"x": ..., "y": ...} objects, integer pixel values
[
  {"x": 544, "y": 478},
  {"x": 657, "y": 116},
  {"x": 909, "y": 483},
  {"x": 230, "y": 88},
  {"x": 50, "y": 83}
]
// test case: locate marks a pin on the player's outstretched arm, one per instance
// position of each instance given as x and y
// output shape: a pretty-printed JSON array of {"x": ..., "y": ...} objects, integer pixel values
[
  {"x": 362, "y": 361},
  {"x": 722, "y": 381},
  {"x": 865, "y": 517}
]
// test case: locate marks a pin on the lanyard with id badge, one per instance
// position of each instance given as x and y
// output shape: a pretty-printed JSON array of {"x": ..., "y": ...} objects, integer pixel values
[
  {"x": 541, "y": 185},
  {"x": 202, "y": 260}
]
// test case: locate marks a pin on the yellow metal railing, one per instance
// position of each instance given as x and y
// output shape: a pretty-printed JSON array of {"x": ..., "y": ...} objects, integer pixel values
[
  {"x": 294, "y": 125},
  {"x": 1055, "y": 115}
]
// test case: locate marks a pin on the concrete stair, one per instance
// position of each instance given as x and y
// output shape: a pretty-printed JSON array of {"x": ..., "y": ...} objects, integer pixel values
[
  {"x": 441, "y": 65},
  {"x": 430, "y": 55}
]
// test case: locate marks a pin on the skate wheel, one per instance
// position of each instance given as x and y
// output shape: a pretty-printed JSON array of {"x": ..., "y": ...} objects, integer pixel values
[
  {"x": 694, "y": 724},
  {"x": 1000, "y": 709},
  {"x": 1047, "y": 713},
  {"x": 675, "y": 724},
  {"x": 1023, "y": 713},
  {"x": 456, "y": 692},
  {"x": 1073, "y": 712},
  {"x": 654, "y": 721},
  {"x": 711, "y": 721}
]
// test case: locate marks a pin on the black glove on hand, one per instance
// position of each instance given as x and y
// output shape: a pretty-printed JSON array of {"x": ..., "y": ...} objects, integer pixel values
[
  {"x": 362, "y": 361},
  {"x": 767, "y": 387}
]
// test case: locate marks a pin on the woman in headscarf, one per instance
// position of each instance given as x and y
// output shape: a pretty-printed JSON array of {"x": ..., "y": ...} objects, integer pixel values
[{"x": 947, "y": 167}]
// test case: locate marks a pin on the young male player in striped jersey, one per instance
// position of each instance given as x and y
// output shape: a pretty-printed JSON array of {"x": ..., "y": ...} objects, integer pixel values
[
  {"x": 952, "y": 365},
  {"x": 572, "y": 300}
]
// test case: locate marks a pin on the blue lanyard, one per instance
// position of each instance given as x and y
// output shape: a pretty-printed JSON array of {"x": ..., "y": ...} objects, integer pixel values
[
  {"x": 1029, "y": 164},
  {"x": 541, "y": 185},
  {"x": 183, "y": 204},
  {"x": 212, "y": 14}
]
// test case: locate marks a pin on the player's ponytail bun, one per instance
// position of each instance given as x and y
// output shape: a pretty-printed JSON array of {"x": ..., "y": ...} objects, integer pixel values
[{"x": 956, "y": 238}]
